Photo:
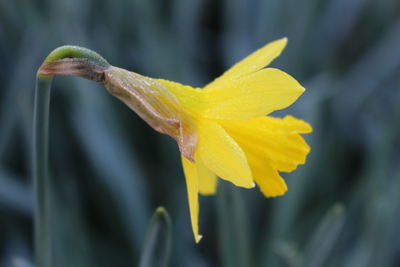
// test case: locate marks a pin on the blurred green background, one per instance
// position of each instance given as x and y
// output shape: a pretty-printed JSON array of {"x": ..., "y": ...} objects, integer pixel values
[{"x": 110, "y": 171}]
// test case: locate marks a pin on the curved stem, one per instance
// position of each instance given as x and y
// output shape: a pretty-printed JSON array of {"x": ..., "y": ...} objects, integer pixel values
[
  {"x": 82, "y": 62},
  {"x": 72, "y": 51},
  {"x": 75, "y": 61}
]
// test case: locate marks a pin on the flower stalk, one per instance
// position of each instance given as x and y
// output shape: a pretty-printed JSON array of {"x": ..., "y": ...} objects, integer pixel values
[
  {"x": 42, "y": 237},
  {"x": 66, "y": 60}
]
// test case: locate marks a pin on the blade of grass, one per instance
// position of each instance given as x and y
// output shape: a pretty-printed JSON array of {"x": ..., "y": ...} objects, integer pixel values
[{"x": 157, "y": 247}]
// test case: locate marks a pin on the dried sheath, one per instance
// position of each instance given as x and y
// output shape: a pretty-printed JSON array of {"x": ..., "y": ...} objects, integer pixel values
[{"x": 147, "y": 97}]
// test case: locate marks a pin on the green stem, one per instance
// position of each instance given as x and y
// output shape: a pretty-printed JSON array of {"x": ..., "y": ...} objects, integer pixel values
[
  {"x": 42, "y": 231},
  {"x": 93, "y": 63}
]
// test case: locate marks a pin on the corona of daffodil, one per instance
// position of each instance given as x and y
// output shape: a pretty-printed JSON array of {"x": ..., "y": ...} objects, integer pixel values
[{"x": 222, "y": 129}]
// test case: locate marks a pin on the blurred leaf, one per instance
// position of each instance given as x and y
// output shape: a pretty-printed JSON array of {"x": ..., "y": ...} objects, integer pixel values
[
  {"x": 18, "y": 262},
  {"x": 14, "y": 194},
  {"x": 100, "y": 136},
  {"x": 157, "y": 248},
  {"x": 289, "y": 253},
  {"x": 233, "y": 227},
  {"x": 322, "y": 242}
]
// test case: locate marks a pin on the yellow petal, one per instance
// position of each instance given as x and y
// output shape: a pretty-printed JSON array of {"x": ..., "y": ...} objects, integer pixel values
[
  {"x": 190, "y": 170},
  {"x": 271, "y": 144},
  {"x": 252, "y": 63},
  {"x": 254, "y": 95},
  {"x": 272, "y": 140},
  {"x": 207, "y": 179},
  {"x": 189, "y": 97},
  {"x": 268, "y": 179},
  {"x": 222, "y": 155},
  {"x": 287, "y": 124}
]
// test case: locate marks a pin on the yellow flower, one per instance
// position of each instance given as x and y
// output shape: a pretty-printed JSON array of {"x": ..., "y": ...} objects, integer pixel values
[{"x": 222, "y": 130}]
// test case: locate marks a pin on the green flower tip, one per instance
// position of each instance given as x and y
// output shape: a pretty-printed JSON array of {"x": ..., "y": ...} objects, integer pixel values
[
  {"x": 162, "y": 214},
  {"x": 72, "y": 51}
]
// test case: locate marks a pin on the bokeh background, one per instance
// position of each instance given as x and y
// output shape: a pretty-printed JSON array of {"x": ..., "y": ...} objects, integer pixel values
[{"x": 110, "y": 171}]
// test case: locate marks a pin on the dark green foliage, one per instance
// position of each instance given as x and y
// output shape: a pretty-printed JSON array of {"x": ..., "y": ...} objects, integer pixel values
[
  {"x": 109, "y": 170},
  {"x": 157, "y": 248}
]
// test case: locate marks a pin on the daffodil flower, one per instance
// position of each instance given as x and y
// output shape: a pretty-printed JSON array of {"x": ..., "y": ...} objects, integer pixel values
[{"x": 222, "y": 129}]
